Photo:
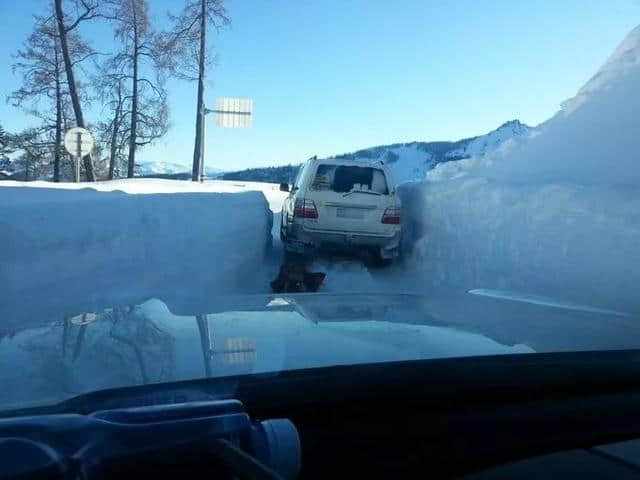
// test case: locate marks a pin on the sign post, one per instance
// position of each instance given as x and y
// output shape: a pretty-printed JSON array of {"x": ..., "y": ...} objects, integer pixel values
[
  {"x": 230, "y": 113},
  {"x": 78, "y": 142}
]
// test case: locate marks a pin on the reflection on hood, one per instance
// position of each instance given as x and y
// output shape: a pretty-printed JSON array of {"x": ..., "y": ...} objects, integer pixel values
[{"x": 55, "y": 358}]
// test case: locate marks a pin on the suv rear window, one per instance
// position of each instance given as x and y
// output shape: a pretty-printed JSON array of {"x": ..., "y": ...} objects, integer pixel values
[{"x": 342, "y": 178}]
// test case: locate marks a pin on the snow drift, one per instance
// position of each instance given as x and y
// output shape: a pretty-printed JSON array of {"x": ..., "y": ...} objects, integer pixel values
[
  {"x": 555, "y": 214},
  {"x": 78, "y": 247}
]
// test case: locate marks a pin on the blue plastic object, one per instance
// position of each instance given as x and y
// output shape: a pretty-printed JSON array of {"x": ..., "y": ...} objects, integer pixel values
[
  {"x": 90, "y": 441},
  {"x": 277, "y": 444}
]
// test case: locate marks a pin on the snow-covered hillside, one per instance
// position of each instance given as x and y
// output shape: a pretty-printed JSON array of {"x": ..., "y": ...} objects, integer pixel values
[
  {"x": 553, "y": 214},
  {"x": 490, "y": 142},
  {"x": 412, "y": 161}
]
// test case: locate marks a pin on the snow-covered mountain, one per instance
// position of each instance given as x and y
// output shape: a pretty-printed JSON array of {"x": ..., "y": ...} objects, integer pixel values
[
  {"x": 146, "y": 169},
  {"x": 412, "y": 161},
  {"x": 483, "y": 144}
]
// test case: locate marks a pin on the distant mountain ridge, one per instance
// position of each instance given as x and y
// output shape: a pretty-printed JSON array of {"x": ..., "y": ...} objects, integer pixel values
[
  {"x": 407, "y": 161},
  {"x": 170, "y": 169},
  {"x": 279, "y": 174}
]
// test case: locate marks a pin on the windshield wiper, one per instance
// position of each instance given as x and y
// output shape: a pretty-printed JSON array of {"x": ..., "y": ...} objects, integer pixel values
[{"x": 368, "y": 192}]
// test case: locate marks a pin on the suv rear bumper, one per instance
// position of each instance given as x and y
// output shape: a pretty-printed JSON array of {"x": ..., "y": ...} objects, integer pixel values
[{"x": 301, "y": 239}]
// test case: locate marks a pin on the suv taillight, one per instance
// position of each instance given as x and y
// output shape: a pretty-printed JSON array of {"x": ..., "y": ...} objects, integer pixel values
[
  {"x": 391, "y": 215},
  {"x": 305, "y": 209}
]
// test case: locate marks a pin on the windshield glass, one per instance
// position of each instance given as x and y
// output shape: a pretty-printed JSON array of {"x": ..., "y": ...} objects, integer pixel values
[{"x": 203, "y": 188}]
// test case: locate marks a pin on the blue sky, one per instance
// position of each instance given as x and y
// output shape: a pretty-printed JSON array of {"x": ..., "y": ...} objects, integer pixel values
[{"x": 333, "y": 76}]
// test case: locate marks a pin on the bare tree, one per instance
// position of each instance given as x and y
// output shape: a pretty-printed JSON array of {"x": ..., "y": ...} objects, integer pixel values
[
  {"x": 113, "y": 132},
  {"x": 85, "y": 10},
  {"x": 186, "y": 54},
  {"x": 44, "y": 88},
  {"x": 147, "y": 113},
  {"x": 34, "y": 147}
]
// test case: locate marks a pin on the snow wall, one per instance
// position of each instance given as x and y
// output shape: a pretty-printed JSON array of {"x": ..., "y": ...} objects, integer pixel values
[
  {"x": 86, "y": 247},
  {"x": 560, "y": 241},
  {"x": 557, "y": 214}
]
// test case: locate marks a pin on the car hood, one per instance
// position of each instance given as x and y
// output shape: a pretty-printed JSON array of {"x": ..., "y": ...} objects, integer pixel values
[{"x": 52, "y": 359}]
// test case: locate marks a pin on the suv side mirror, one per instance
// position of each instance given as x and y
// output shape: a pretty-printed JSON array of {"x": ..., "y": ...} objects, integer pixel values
[{"x": 284, "y": 187}]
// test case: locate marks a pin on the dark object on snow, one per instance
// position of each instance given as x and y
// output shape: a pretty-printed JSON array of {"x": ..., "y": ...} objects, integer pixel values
[{"x": 293, "y": 277}]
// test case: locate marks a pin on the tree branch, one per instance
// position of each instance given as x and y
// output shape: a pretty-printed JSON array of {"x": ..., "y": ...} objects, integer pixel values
[{"x": 88, "y": 14}]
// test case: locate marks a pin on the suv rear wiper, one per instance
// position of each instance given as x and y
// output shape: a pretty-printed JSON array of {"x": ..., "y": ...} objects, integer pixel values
[{"x": 368, "y": 192}]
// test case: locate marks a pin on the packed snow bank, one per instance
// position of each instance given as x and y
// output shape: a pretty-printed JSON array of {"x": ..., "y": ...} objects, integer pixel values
[
  {"x": 561, "y": 241},
  {"x": 555, "y": 214},
  {"x": 69, "y": 245},
  {"x": 271, "y": 191}
]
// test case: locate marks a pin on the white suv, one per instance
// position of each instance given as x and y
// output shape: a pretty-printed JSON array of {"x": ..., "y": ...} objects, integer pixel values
[{"x": 342, "y": 204}]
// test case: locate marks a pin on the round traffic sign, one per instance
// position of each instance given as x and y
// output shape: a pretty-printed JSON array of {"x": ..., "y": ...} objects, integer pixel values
[{"x": 78, "y": 137}]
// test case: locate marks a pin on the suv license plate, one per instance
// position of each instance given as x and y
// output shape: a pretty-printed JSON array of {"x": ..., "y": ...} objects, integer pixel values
[{"x": 349, "y": 213}]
